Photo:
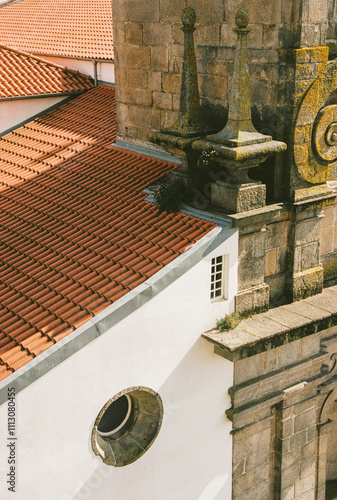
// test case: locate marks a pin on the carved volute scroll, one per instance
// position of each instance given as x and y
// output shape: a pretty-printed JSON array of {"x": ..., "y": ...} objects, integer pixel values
[{"x": 315, "y": 135}]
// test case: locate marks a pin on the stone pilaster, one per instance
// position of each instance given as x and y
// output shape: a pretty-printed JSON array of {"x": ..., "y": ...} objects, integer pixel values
[
  {"x": 253, "y": 292},
  {"x": 305, "y": 272}
]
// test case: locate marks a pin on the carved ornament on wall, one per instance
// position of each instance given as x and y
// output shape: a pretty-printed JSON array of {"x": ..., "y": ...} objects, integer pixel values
[{"x": 315, "y": 135}]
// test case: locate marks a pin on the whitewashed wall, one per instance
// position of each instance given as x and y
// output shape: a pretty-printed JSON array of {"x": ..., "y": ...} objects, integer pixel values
[
  {"x": 105, "y": 69},
  {"x": 12, "y": 113},
  {"x": 158, "y": 346}
]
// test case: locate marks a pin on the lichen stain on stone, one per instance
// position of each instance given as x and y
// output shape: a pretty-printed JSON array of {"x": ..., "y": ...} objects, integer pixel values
[{"x": 315, "y": 138}]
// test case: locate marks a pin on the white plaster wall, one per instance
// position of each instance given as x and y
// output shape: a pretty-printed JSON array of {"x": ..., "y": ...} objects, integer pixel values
[
  {"x": 105, "y": 69},
  {"x": 158, "y": 346},
  {"x": 14, "y": 112}
]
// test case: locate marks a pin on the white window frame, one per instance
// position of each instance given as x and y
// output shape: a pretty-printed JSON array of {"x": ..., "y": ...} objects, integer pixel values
[{"x": 220, "y": 282}]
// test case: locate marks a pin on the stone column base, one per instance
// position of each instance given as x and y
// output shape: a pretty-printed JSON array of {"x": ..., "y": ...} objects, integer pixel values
[
  {"x": 252, "y": 300},
  {"x": 306, "y": 283},
  {"x": 238, "y": 197}
]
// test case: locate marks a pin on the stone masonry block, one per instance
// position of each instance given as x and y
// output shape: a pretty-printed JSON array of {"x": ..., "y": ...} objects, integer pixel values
[
  {"x": 290, "y": 353},
  {"x": 290, "y": 475},
  {"x": 157, "y": 33},
  {"x": 310, "y": 256},
  {"x": 208, "y": 11},
  {"x": 159, "y": 59},
  {"x": 307, "y": 231},
  {"x": 171, "y": 83},
  {"x": 119, "y": 32},
  {"x": 329, "y": 214},
  {"x": 307, "y": 283},
  {"x": 175, "y": 102},
  {"x": 271, "y": 262},
  {"x": 288, "y": 493},
  {"x": 262, "y": 473},
  {"x": 136, "y": 11},
  {"x": 249, "y": 368},
  {"x": 238, "y": 198},
  {"x": 310, "y": 346},
  {"x": 254, "y": 298},
  {"x": 251, "y": 273},
  {"x": 213, "y": 86},
  {"x": 297, "y": 265},
  {"x": 327, "y": 240},
  {"x": 176, "y": 50},
  {"x": 167, "y": 118},
  {"x": 318, "y": 11},
  {"x": 154, "y": 80},
  {"x": 140, "y": 97},
  {"x": 175, "y": 65},
  {"x": 137, "y": 78},
  {"x": 134, "y": 57},
  {"x": 162, "y": 100},
  {"x": 305, "y": 419},
  {"x": 298, "y": 440},
  {"x": 170, "y": 11},
  {"x": 277, "y": 234},
  {"x": 291, "y": 458},
  {"x": 267, "y": 13},
  {"x": 270, "y": 36},
  {"x": 243, "y": 483},
  {"x": 207, "y": 35},
  {"x": 177, "y": 34},
  {"x": 227, "y": 37},
  {"x": 308, "y": 452},
  {"x": 134, "y": 33}
]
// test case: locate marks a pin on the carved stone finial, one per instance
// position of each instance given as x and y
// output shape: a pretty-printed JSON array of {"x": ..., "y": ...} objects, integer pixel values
[
  {"x": 242, "y": 18},
  {"x": 188, "y": 17},
  {"x": 239, "y": 130},
  {"x": 189, "y": 122}
]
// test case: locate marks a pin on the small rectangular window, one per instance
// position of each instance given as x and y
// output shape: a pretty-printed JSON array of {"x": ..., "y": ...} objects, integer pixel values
[{"x": 219, "y": 274}]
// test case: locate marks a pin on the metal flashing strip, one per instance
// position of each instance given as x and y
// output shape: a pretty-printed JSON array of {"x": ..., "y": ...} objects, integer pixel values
[
  {"x": 219, "y": 219},
  {"x": 114, "y": 313},
  {"x": 145, "y": 150}
]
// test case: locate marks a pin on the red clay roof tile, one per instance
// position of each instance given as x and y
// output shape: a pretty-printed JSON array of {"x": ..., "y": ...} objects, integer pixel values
[
  {"x": 64, "y": 28},
  {"x": 75, "y": 234},
  {"x": 36, "y": 77}
]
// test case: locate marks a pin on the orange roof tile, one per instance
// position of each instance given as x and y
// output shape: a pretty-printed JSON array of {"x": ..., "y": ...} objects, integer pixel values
[
  {"x": 76, "y": 233},
  {"x": 22, "y": 75},
  {"x": 64, "y": 28}
]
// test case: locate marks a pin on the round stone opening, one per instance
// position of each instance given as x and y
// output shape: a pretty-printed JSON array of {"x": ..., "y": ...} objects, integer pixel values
[
  {"x": 127, "y": 425},
  {"x": 115, "y": 416}
]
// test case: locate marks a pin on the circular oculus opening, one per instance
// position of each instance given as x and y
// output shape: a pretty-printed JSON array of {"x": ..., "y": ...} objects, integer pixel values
[
  {"x": 115, "y": 416},
  {"x": 127, "y": 425}
]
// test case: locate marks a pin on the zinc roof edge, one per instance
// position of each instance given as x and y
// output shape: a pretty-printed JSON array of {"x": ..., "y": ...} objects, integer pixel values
[
  {"x": 114, "y": 313},
  {"x": 108, "y": 60},
  {"x": 67, "y": 93}
]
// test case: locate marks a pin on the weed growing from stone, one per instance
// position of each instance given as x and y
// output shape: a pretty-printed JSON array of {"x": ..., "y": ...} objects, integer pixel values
[
  {"x": 229, "y": 322},
  {"x": 170, "y": 196}
]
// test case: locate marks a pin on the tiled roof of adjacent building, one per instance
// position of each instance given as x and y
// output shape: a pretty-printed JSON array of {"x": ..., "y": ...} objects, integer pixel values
[
  {"x": 76, "y": 233},
  {"x": 64, "y": 28},
  {"x": 22, "y": 75}
]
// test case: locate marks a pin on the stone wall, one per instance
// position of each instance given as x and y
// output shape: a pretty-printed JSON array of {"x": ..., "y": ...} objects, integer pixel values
[
  {"x": 149, "y": 49},
  {"x": 278, "y": 399}
]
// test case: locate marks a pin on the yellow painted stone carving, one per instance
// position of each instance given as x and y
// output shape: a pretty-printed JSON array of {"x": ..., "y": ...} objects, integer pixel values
[{"x": 315, "y": 134}]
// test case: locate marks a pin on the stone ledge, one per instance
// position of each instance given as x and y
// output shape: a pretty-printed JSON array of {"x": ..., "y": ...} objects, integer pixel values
[{"x": 277, "y": 327}]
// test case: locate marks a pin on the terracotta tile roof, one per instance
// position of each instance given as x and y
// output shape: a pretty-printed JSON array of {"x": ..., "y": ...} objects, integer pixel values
[
  {"x": 76, "y": 233},
  {"x": 23, "y": 75},
  {"x": 68, "y": 28}
]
